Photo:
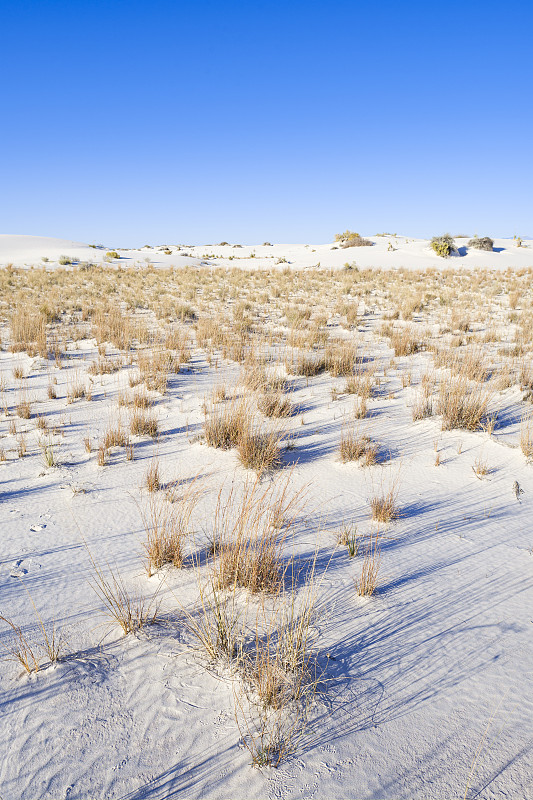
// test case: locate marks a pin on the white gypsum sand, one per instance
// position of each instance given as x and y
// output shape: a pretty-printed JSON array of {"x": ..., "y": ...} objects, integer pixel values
[{"x": 110, "y": 380}]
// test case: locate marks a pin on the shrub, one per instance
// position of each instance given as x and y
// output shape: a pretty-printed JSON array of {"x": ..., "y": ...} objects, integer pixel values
[
  {"x": 443, "y": 246},
  {"x": 352, "y": 239},
  {"x": 483, "y": 243},
  {"x": 112, "y": 254},
  {"x": 64, "y": 260}
]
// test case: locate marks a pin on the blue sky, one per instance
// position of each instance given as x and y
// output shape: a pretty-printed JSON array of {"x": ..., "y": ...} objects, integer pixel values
[{"x": 128, "y": 122}]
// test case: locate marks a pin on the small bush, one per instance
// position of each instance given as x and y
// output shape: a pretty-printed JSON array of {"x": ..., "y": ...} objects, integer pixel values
[
  {"x": 483, "y": 243},
  {"x": 352, "y": 239},
  {"x": 112, "y": 254},
  {"x": 64, "y": 260},
  {"x": 443, "y": 246}
]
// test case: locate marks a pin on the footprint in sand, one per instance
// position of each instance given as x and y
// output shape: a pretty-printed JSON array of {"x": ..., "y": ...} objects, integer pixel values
[
  {"x": 37, "y": 528},
  {"x": 17, "y": 570}
]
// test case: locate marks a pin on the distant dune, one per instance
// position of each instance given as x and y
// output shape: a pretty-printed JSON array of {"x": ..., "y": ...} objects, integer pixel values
[{"x": 386, "y": 252}]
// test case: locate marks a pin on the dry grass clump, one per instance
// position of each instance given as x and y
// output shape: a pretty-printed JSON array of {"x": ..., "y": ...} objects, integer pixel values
[
  {"x": 224, "y": 425},
  {"x": 111, "y": 325},
  {"x": 341, "y": 358},
  {"x": 131, "y": 611},
  {"x": 348, "y": 537},
  {"x": 358, "y": 447},
  {"x": 405, "y": 342},
  {"x": 362, "y": 383},
  {"x": 167, "y": 525},
  {"x": 481, "y": 468},
  {"x": 105, "y": 366},
  {"x": 462, "y": 404},
  {"x": 366, "y": 585},
  {"x": 248, "y": 547},
  {"x": 155, "y": 368},
  {"x": 115, "y": 437},
  {"x": 275, "y": 404},
  {"x": 25, "y": 652},
  {"x": 143, "y": 424},
  {"x": 384, "y": 507},
  {"x": 259, "y": 450},
  {"x": 308, "y": 366},
  {"x": 422, "y": 408},
  {"x": 28, "y": 331},
  {"x": 24, "y": 409},
  {"x": 526, "y": 436},
  {"x": 152, "y": 479}
]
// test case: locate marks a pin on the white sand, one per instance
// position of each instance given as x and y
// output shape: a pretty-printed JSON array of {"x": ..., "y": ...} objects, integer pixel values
[
  {"x": 416, "y": 673},
  {"x": 408, "y": 253}
]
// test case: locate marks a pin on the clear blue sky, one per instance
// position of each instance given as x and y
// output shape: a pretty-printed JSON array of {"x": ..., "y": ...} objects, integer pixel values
[{"x": 129, "y": 122}]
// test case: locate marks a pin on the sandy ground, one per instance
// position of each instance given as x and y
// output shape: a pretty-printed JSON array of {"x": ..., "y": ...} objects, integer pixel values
[
  {"x": 387, "y": 252},
  {"x": 428, "y": 683}
]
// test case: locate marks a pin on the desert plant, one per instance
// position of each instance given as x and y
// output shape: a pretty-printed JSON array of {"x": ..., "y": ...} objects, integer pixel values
[
  {"x": 481, "y": 243},
  {"x": 259, "y": 450},
  {"x": 347, "y": 537},
  {"x": 384, "y": 507},
  {"x": 224, "y": 425},
  {"x": 443, "y": 246},
  {"x": 405, "y": 342},
  {"x": 352, "y": 239},
  {"x": 25, "y": 652},
  {"x": 526, "y": 436},
  {"x": 143, "y": 424},
  {"x": 275, "y": 404},
  {"x": 249, "y": 551},
  {"x": 47, "y": 452},
  {"x": 167, "y": 524},
  {"x": 355, "y": 446},
  {"x": 131, "y": 611},
  {"x": 462, "y": 404},
  {"x": 366, "y": 585},
  {"x": 152, "y": 480}
]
